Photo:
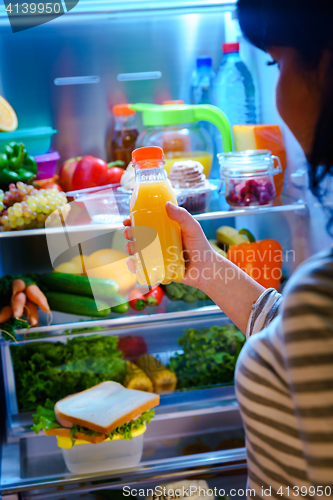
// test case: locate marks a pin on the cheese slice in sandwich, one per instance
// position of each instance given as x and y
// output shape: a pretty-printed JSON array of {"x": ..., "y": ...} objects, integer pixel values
[{"x": 104, "y": 407}]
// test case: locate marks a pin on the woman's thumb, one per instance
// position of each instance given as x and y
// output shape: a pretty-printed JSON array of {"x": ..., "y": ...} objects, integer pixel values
[{"x": 180, "y": 215}]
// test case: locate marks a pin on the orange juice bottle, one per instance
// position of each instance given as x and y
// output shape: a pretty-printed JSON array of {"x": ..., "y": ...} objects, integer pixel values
[{"x": 157, "y": 238}]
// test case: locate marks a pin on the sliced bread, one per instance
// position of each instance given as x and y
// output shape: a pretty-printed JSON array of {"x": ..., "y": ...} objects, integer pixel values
[{"x": 105, "y": 406}]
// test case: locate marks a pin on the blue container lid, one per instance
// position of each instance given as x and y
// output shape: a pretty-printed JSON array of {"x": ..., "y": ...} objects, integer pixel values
[
  {"x": 27, "y": 132},
  {"x": 204, "y": 61}
]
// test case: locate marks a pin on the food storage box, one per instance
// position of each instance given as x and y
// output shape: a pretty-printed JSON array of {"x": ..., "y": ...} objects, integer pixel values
[
  {"x": 196, "y": 200},
  {"x": 37, "y": 140},
  {"x": 109, "y": 455},
  {"x": 248, "y": 177},
  {"x": 47, "y": 164},
  {"x": 103, "y": 203}
]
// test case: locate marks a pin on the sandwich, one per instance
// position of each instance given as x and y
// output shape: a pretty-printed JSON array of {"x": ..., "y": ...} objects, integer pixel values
[{"x": 104, "y": 412}]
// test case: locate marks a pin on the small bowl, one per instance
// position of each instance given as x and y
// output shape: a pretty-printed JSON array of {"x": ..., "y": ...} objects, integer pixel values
[
  {"x": 47, "y": 164},
  {"x": 104, "y": 204}
]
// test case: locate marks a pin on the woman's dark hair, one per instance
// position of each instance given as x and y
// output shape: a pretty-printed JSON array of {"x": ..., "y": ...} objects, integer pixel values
[{"x": 307, "y": 26}]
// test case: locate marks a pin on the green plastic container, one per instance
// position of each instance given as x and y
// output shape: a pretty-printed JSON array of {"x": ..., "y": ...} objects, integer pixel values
[{"x": 37, "y": 141}]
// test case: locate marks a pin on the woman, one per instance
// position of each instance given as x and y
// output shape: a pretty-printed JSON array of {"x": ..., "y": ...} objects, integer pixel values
[{"x": 284, "y": 375}]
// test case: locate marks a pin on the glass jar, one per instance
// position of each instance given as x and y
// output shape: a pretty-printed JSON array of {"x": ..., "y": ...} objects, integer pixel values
[
  {"x": 177, "y": 130},
  {"x": 248, "y": 177},
  {"x": 185, "y": 142}
]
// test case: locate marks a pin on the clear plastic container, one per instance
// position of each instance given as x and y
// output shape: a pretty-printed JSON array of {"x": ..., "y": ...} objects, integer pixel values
[
  {"x": 248, "y": 177},
  {"x": 105, "y": 456},
  {"x": 103, "y": 203},
  {"x": 196, "y": 200}
]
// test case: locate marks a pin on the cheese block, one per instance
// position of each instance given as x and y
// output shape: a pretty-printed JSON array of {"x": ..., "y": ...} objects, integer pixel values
[{"x": 263, "y": 137}]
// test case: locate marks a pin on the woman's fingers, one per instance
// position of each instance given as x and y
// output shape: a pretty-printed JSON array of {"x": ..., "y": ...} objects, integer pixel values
[
  {"x": 128, "y": 233},
  {"x": 131, "y": 265},
  {"x": 127, "y": 222},
  {"x": 129, "y": 247}
]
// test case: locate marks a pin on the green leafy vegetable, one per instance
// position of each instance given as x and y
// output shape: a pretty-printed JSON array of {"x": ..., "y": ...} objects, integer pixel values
[
  {"x": 186, "y": 293},
  {"x": 56, "y": 369},
  {"x": 45, "y": 418},
  {"x": 209, "y": 356},
  {"x": 126, "y": 429}
]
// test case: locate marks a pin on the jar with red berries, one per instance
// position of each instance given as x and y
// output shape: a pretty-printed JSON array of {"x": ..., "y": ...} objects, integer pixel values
[{"x": 248, "y": 177}]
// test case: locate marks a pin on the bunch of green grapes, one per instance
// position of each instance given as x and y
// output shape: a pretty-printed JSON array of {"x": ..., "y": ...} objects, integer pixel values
[
  {"x": 33, "y": 210},
  {"x": 2, "y": 195}
]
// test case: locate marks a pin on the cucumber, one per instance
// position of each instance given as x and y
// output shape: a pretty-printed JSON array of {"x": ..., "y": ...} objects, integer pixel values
[
  {"x": 80, "y": 285},
  {"x": 77, "y": 304}
]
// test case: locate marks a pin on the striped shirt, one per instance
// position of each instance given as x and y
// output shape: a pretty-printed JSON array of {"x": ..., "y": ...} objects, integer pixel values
[{"x": 284, "y": 386}]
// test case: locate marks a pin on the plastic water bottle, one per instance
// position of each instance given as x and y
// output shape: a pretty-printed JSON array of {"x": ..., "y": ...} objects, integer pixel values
[
  {"x": 234, "y": 91},
  {"x": 202, "y": 83}
]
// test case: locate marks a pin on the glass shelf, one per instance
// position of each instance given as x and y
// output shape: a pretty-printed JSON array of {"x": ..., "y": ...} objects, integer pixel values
[
  {"x": 128, "y": 6},
  {"x": 37, "y": 462},
  {"x": 219, "y": 209}
]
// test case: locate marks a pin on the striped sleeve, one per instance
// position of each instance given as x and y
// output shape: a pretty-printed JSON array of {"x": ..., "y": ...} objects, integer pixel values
[
  {"x": 307, "y": 319},
  {"x": 263, "y": 311}
]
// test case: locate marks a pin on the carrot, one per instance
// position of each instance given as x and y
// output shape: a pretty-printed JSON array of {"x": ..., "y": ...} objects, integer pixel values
[
  {"x": 5, "y": 314},
  {"x": 18, "y": 303},
  {"x": 18, "y": 286},
  {"x": 31, "y": 313},
  {"x": 35, "y": 295}
]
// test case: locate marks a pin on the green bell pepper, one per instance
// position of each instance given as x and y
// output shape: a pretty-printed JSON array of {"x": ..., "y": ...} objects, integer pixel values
[
  {"x": 25, "y": 175},
  {"x": 30, "y": 164},
  {"x": 16, "y": 165},
  {"x": 3, "y": 161},
  {"x": 7, "y": 177}
]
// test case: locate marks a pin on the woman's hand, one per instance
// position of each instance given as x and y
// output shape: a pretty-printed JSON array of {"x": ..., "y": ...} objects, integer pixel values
[{"x": 198, "y": 253}]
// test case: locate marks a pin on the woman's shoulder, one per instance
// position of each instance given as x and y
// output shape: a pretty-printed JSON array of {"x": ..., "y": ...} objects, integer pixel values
[
  {"x": 314, "y": 273},
  {"x": 309, "y": 291}
]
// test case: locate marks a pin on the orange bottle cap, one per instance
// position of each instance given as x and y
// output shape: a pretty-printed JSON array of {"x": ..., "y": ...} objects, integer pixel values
[
  {"x": 148, "y": 153},
  {"x": 123, "y": 110}
]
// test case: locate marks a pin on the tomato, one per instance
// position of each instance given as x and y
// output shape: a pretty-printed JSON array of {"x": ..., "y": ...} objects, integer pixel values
[
  {"x": 154, "y": 297},
  {"x": 137, "y": 300},
  {"x": 113, "y": 175},
  {"x": 90, "y": 172},
  {"x": 132, "y": 346}
]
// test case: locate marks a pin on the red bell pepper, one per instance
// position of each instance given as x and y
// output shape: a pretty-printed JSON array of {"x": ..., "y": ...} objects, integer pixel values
[
  {"x": 66, "y": 173},
  {"x": 113, "y": 175},
  {"x": 262, "y": 260},
  {"x": 154, "y": 297},
  {"x": 90, "y": 172}
]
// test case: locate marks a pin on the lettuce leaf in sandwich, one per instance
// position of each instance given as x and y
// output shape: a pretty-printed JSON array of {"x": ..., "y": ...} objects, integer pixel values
[{"x": 45, "y": 419}]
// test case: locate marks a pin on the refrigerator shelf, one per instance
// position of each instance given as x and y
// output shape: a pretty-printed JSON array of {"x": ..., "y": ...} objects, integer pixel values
[
  {"x": 162, "y": 341},
  {"x": 223, "y": 211},
  {"x": 200, "y": 441},
  {"x": 121, "y": 322}
]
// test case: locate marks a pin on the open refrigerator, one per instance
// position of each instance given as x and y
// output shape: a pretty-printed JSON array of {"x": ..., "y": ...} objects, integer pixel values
[{"x": 138, "y": 51}]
